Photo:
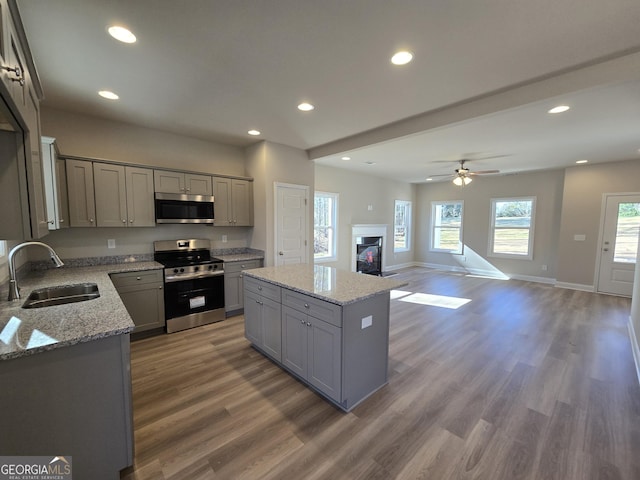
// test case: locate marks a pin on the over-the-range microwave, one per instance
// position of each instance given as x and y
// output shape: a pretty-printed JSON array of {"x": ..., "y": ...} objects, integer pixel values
[{"x": 184, "y": 208}]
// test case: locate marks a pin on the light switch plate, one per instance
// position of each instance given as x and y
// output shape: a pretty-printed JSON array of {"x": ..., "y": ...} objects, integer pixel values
[{"x": 367, "y": 321}]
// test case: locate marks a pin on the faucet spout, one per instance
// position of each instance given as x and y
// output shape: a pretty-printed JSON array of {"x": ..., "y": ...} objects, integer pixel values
[{"x": 14, "y": 290}]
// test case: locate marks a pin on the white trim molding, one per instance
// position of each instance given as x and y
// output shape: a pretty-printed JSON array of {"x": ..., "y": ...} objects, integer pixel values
[
  {"x": 634, "y": 347},
  {"x": 576, "y": 286}
]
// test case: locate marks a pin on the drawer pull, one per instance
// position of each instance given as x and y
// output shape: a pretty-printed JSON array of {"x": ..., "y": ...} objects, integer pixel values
[
  {"x": 306, "y": 305},
  {"x": 259, "y": 287},
  {"x": 137, "y": 278}
]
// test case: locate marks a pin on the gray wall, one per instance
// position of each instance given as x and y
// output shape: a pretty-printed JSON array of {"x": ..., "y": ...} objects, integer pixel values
[
  {"x": 356, "y": 191},
  {"x": 545, "y": 186}
]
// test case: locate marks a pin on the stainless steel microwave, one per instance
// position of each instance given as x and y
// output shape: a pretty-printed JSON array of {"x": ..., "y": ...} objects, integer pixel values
[{"x": 183, "y": 208}]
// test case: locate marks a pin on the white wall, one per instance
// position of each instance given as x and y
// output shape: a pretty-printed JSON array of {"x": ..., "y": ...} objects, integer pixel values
[
  {"x": 545, "y": 186},
  {"x": 269, "y": 163},
  {"x": 356, "y": 192}
]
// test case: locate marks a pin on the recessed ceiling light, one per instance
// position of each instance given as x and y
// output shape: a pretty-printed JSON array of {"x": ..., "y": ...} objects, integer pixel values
[
  {"x": 370, "y": 163},
  {"x": 108, "y": 95},
  {"x": 254, "y": 132},
  {"x": 345, "y": 158},
  {"x": 402, "y": 58},
  {"x": 582, "y": 161},
  {"x": 429, "y": 179},
  {"x": 305, "y": 107},
  {"x": 122, "y": 34},
  {"x": 559, "y": 109}
]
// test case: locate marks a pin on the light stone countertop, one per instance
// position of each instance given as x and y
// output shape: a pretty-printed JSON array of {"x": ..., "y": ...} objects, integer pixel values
[
  {"x": 25, "y": 331},
  {"x": 326, "y": 283},
  {"x": 239, "y": 257}
]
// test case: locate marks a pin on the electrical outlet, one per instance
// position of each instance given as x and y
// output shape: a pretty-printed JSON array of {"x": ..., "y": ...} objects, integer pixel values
[
  {"x": 544, "y": 268},
  {"x": 224, "y": 239},
  {"x": 111, "y": 243},
  {"x": 370, "y": 208}
]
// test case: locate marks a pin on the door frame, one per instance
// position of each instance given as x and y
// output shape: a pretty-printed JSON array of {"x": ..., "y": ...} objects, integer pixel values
[
  {"x": 306, "y": 189},
  {"x": 603, "y": 211}
]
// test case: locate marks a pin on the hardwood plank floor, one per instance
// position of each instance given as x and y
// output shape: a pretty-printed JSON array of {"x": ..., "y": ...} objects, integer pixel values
[{"x": 526, "y": 381}]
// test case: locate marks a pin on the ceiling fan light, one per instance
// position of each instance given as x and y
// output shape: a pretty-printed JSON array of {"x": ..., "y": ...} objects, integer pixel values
[
  {"x": 457, "y": 181},
  {"x": 467, "y": 180}
]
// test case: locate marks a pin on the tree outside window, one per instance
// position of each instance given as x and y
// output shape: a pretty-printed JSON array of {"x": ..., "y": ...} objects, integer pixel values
[
  {"x": 446, "y": 226},
  {"x": 512, "y": 221},
  {"x": 325, "y": 208},
  {"x": 402, "y": 226}
]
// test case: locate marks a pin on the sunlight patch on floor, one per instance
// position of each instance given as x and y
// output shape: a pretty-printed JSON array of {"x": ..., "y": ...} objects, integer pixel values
[
  {"x": 399, "y": 293},
  {"x": 435, "y": 300}
]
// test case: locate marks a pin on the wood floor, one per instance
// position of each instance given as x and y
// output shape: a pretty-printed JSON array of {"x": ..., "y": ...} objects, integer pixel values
[{"x": 526, "y": 381}]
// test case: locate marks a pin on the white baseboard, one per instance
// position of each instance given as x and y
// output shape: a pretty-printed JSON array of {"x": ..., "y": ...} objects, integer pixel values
[
  {"x": 576, "y": 286},
  {"x": 390, "y": 268},
  {"x": 634, "y": 347},
  {"x": 533, "y": 278}
]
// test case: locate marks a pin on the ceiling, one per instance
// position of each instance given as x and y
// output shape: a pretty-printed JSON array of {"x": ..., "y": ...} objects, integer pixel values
[{"x": 484, "y": 75}]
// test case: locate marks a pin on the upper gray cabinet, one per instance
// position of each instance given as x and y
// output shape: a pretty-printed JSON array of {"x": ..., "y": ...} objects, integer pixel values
[
  {"x": 167, "y": 181},
  {"x": 123, "y": 196},
  {"x": 233, "y": 202},
  {"x": 82, "y": 204},
  {"x": 55, "y": 180}
]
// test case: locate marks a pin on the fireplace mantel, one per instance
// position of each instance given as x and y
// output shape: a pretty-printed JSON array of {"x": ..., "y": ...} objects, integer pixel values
[{"x": 368, "y": 230}]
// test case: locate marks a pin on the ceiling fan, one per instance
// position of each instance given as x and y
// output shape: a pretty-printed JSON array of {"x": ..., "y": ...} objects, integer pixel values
[{"x": 462, "y": 175}]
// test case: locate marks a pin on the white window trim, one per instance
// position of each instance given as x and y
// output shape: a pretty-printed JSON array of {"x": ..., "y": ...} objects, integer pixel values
[
  {"x": 492, "y": 227},
  {"x": 408, "y": 226},
  {"x": 460, "y": 251},
  {"x": 334, "y": 254}
]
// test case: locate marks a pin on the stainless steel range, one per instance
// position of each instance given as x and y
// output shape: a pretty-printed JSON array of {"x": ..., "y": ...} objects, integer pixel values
[{"x": 193, "y": 283}]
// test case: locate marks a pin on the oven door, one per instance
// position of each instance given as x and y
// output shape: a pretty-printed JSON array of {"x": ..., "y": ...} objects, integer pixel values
[{"x": 186, "y": 297}]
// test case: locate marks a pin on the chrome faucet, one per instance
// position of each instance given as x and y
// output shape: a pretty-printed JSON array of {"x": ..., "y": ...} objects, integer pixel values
[{"x": 14, "y": 291}]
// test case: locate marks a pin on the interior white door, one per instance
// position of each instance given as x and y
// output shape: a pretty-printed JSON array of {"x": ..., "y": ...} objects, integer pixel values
[
  {"x": 619, "y": 244},
  {"x": 291, "y": 218}
]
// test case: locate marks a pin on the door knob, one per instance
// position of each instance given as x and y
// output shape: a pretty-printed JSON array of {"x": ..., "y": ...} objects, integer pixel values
[{"x": 280, "y": 252}]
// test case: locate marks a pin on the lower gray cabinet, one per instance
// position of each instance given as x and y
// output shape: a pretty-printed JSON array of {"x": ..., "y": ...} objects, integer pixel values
[
  {"x": 142, "y": 293},
  {"x": 262, "y": 314},
  {"x": 233, "y": 285},
  {"x": 311, "y": 348}
]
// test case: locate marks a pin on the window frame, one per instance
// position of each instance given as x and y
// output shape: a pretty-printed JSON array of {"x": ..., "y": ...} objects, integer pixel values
[
  {"x": 433, "y": 226},
  {"x": 531, "y": 228},
  {"x": 407, "y": 225},
  {"x": 333, "y": 241}
]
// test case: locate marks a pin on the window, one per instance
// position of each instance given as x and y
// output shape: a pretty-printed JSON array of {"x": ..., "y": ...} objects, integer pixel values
[
  {"x": 325, "y": 215},
  {"x": 511, "y": 232},
  {"x": 446, "y": 226},
  {"x": 402, "y": 226}
]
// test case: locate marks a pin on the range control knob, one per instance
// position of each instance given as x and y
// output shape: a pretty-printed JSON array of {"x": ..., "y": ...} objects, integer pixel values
[
  {"x": 182, "y": 270},
  {"x": 195, "y": 269},
  {"x": 175, "y": 270}
]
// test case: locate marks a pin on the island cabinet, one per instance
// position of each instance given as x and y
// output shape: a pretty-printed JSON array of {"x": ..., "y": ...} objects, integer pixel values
[
  {"x": 312, "y": 341},
  {"x": 167, "y": 181},
  {"x": 234, "y": 285},
  {"x": 142, "y": 293},
  {"x": 334, "y": 327},
  {"x": 262, "y": 314}
]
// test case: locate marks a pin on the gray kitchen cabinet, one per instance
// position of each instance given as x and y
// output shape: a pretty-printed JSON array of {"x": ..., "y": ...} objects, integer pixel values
[
  {"x": 233, "y": 202},
  {"x": 233, "y": 285},
  {"x": 55, "y": 185},
  {"x": 123, "y": 196},
  {"x": 142, "y": 293},
  {"x": 311, "y": 348},
  {"x": 262, "y": 313},
  {"x": 80, "y": 190},
  {"x": 167, "y": 181}
]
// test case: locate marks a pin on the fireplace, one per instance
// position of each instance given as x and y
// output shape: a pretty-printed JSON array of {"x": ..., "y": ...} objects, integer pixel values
[{"x": 369, "y": 255}]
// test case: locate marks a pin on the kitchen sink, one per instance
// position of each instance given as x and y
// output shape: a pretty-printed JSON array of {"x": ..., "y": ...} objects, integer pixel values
[{"x": 61, "y": 294}]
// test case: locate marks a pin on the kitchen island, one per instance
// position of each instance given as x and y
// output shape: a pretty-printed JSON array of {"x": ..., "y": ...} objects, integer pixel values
[
  {"x": 327, "y": 327},
  {"x": 65, "y": 374}
]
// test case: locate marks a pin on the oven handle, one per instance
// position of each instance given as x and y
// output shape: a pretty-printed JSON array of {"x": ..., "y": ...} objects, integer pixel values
[{"x": 195, "y": 276}]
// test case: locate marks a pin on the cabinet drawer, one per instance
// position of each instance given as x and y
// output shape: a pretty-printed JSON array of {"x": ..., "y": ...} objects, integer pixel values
[
  {"x": 233, "y": 267},
  {"x": 266, "y": 289},
  {"x": 141, "y": 277},
  {"x": 329, "y": 312}
]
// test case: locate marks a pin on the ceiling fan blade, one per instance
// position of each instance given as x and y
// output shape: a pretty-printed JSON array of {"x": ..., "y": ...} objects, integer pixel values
[
  {"x": 442, "y": 175},
  {"x": 483, "y": 172}
]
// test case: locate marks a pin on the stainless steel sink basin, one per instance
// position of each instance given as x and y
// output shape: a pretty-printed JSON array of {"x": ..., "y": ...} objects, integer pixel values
[{"x": 61, "y": 294}]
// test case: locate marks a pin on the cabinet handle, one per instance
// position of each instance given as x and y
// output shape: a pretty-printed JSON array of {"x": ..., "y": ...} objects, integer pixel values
[
  {"x": 259, "y": 288},
  {"x": 306, "y": 305},
  {"x": 259, "y": 302},
  {"x": 160, "y": 288},
  {"x": 91, "y": 220},
  {"x": 15, "y": 70},
  {"x": 137, "y": 278},
  {"x": 308, "y": 324},
  {"x": 130, "y": 221},
  {"x": 61, "y": 220},
  {"x": 124, "y": 221}
]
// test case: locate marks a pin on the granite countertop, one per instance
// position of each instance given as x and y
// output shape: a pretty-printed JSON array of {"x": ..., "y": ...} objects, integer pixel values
[
  {"x": 326, "y": 283},
  {"x": 28, "y": 331},
  {"x": 239, "y": 257}
]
